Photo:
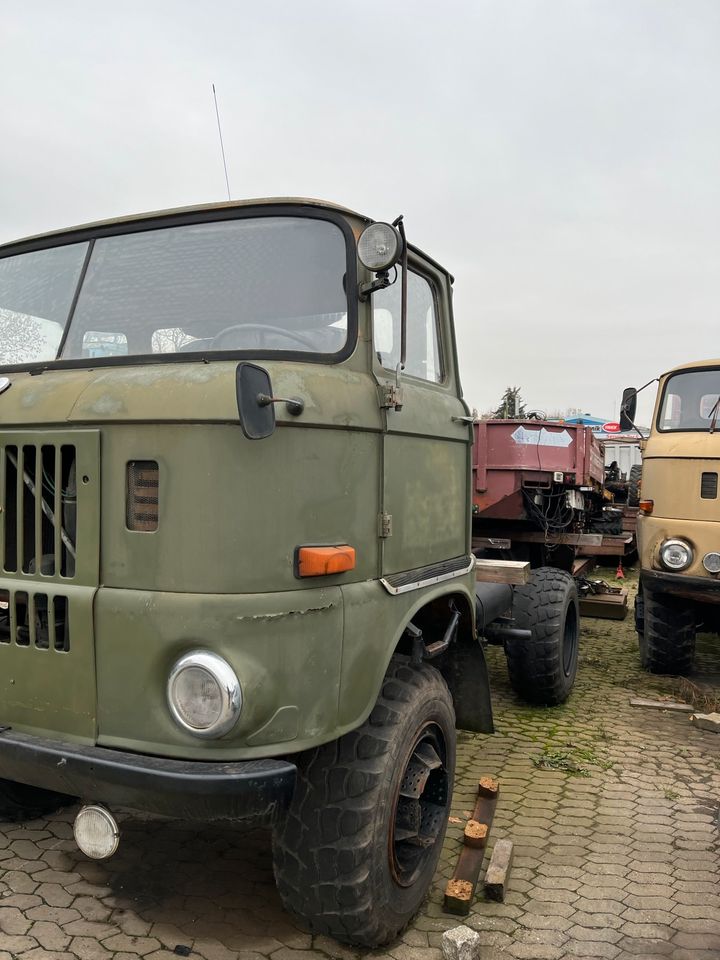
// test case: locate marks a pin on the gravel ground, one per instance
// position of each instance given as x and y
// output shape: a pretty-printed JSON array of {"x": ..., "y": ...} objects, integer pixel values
[{"x": 613, "y": 810}]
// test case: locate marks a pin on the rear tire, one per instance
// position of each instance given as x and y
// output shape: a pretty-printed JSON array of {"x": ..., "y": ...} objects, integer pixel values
[
  {"x": 634, "y": 485},
  {"x": 20, "y": 802},
  {"x": 542, "y": 669},
  {"x": 356, "y": 854},
  {"x": 667, "y": 643}
]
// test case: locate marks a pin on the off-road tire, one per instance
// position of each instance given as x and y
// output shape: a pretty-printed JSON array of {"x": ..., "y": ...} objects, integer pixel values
[
  {"x": 634, "y": 485},
  {"x": 332, "y": 853},
  {"x": 667, "y": 643},
  {"x": 542, "y": 668},
  {"x": 20, "y": 802}
]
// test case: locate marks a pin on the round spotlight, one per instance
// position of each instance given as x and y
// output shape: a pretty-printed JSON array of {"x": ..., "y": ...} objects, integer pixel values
[
  {"x": 96, "y": 832},
  {"x": 676, "y": 554},
  {"x": 711, "y": 562},
  {"x": 204, "y": 694},
  {"x": 379, "y": 246}
]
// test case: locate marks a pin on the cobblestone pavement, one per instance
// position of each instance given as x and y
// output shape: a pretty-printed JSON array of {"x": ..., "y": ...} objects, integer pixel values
[{"x": 616, "y": 857}]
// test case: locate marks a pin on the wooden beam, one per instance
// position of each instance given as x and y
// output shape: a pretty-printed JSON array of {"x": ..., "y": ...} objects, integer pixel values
[{"x": 502, "y": 571}]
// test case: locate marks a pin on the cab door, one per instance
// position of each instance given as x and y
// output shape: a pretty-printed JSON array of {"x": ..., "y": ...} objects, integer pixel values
[{"x": 426, "y": 444}]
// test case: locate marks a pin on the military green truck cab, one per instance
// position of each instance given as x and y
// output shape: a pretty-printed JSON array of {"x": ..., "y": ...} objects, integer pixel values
[
  {"x": 679, "y": 520},
  {"x": 235, "y": 568}
]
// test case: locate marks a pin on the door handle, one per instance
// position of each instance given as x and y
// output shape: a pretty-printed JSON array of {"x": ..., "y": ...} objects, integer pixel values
[{"x": 463, "y": 419}]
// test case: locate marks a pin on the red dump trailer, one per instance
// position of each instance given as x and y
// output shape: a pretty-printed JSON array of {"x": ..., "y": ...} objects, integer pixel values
[{"x": 538, "y": 492}]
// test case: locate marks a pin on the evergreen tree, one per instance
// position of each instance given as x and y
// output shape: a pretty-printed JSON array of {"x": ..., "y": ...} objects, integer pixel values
[{"x": 511, "y": 406}]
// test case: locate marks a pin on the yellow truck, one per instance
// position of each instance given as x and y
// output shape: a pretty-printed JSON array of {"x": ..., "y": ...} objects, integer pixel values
[{"x": 679, "y": 517}]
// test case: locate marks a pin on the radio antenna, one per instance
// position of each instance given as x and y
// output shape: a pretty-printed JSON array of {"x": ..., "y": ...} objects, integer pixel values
[{"x": 222, "y": 146}]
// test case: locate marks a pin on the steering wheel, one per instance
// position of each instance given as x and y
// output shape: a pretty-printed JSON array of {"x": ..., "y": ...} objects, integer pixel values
[{"x": 263, "y": 328}]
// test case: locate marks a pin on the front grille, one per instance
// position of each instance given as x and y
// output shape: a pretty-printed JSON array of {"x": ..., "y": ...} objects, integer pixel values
[
  {"x": 709, "y": 486},
  {"x": 40, "y": 509},
  {"x": 34, "y": 620}
]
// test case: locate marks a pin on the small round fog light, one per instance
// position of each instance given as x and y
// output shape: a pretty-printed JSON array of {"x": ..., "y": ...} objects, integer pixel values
[
  {"x": 379, "y": 246},
  {"x": 711, "y": 562},
  {"x": 204, "y": 694},
  {"x": 676, "y": 554},
  {"x": 96, "y": 832}
]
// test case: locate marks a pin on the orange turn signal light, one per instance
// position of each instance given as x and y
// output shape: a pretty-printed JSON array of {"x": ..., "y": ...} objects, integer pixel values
[
  {"x": 324, "y": 561},
  {"x": 646, "y": 506}
]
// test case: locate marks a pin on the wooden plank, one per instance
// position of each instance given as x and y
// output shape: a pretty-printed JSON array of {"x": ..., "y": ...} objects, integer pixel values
[
  {"x": 496, "y": 875},
  {"x": 539, "y": 536},
  {"x": 460, "y": 891},
  {"x": 610, "y": 547},
  {"x": 662, "y": 705},
  {"x": 502, "y": 571},
  {"x": 582, "y": 566}
]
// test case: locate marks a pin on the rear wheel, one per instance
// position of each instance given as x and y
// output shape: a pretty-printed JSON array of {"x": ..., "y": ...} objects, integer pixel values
[
  {"x": 357, "y": 851},
  {"x": 20, "y": 802},
  {"x": 542, "y": 668},
  {"x": 634, "y": 485},
  {"x": 667, "y": 643}
]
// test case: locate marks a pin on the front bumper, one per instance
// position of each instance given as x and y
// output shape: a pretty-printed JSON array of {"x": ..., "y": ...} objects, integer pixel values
[
  {"x": 703, "y": 589},
  {"x": 189, "y": 789}
]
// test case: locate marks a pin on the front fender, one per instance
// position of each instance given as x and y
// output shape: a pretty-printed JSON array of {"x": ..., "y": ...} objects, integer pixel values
[{"x": 375, "y": 622}]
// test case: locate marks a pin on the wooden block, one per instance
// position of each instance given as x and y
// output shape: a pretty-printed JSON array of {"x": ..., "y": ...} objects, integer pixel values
[
  {"x": 502, "y": 571},
  {"x": 488, "y": 787},
  {"x": 498, "y": 871},
  {"x": 605, "y": 606},
  {"x": 475, "y": 833},
  {"x": 458, "y": 894}
]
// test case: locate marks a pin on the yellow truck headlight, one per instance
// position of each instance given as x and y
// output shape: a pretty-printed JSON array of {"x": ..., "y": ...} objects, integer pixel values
[
  {"x": 204, "y": 694},
  {"x": 676, "y": 554}
]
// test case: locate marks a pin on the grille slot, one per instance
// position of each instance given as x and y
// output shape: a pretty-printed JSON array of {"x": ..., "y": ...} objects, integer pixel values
[
  {"x": 34, "y": 620},
  {"x": 143, "y": 493},
  {"x": 709, "y": 486},
  {"x": 40, "y": 525}
]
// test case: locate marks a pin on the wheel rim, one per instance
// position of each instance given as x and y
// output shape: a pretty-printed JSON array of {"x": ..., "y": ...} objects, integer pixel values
[
  {"x": 570, "y": 639},
  {"x": 421, "y": 806}
]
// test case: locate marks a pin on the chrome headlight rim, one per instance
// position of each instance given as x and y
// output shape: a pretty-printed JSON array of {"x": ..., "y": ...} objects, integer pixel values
[
  {"x": 683, "y": 545},
  {"x": 230, "y": 692}
]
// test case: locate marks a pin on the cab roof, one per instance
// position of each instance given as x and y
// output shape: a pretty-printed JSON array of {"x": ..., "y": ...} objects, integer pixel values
[
  {"x": 54, "y": 235},
  {"x": 695, "y": 365}
]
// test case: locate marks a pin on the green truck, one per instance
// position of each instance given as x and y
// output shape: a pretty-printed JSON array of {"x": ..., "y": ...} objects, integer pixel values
[{"x": 237, "y": 579}]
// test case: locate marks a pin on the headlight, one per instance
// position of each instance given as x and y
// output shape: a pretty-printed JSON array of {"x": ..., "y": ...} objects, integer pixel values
[
  {"x": 676, "y": 554},
  {"x": 711, "y": 562},
  {"x": 204, "y": 694}
]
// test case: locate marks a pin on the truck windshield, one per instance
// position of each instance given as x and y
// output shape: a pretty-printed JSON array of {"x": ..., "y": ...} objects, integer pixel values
[
  {"x": 256, "y": 284},
  {"x": 689, "y": 400}
]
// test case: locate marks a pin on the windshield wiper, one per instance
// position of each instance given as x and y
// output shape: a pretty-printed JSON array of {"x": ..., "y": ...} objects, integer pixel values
[{"x": 714, "y": 415}]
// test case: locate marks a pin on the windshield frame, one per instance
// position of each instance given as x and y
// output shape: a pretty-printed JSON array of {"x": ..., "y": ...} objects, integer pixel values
[
  {"x": 661, "y": 399},
  {"x": 180, "y": 219}
]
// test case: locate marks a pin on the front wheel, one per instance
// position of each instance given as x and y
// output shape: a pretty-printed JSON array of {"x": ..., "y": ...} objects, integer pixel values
[
  {"x": 667, "y": 641},
  {"x": 357, "y": 852},
  {"x": 542, "y": 668}
]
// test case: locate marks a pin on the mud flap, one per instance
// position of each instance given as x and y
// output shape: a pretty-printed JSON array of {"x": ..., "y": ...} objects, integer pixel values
[{"x": 465, "y": 672}]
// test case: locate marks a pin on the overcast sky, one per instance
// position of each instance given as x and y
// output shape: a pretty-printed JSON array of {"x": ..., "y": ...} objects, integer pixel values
[{"x": 560, "y": 157}]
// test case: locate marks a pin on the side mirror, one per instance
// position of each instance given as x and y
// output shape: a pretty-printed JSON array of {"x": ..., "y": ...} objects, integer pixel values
[
  {"x": 252, "y": 384},
  {"x": 628, "y": 405}
]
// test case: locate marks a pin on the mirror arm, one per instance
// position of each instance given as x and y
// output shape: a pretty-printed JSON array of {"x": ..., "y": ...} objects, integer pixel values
[
  {"x": 403, "y": 299},
  {"x": 294, "y": 405},
  {"x": 624, "y": 411},
  {"x": 381, "y": 281}
]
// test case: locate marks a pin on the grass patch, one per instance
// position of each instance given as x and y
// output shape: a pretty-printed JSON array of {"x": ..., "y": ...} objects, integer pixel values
[
  {"x": 670, "y": 794},
  {"x": 570, "y": 758}
]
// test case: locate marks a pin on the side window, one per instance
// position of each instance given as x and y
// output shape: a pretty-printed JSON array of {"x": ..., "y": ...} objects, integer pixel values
[{"x": 423, "y": 342}]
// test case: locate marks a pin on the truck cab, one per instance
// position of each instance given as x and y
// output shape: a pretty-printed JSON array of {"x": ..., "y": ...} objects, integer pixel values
[
  {"x": 236, "y": 576},
  {"x": 679, "y": 519}
]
